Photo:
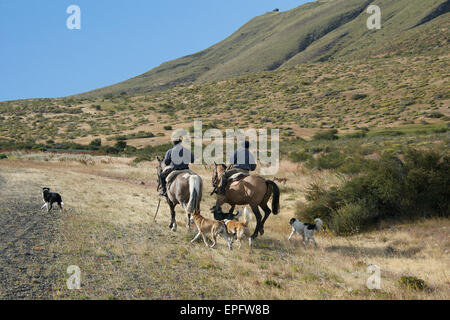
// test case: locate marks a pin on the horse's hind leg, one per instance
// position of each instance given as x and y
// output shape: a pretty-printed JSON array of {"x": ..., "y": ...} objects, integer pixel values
[
  {"x": 258, "y": 221},
  {"x": 267, "y": 212},
  {"x": 173, "y": 222},
  {"x": 188, "y": 221}
]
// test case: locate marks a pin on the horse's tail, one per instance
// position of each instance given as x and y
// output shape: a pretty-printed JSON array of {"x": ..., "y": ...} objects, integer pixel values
[
  {"x": 195, "y": 187},
  {"x": 276, "y": 196}
]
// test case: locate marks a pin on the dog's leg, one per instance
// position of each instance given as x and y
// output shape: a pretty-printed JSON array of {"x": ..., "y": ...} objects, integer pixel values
[
  {"x": 205, "y": 240},
  {"x": 214, "y": 238},
  {"x": 60, "y": 206},
  {"x": 250, "y": 242},
  {"x": 49, "y": 206},
  {"x": 196, "y": 237},
  {"x": 45, "y": 204},
  {"x": 292, "y": 233},
  {"x": 314, "y": 241},
  {"x": 304, "y": 237}
]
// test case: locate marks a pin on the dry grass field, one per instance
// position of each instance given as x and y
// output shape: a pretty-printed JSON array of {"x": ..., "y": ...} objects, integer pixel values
[{"x": 108, "y": 231}]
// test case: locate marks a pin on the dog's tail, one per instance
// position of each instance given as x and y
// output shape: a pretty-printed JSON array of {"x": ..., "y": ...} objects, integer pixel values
[
  {"x": 246, "y": 216},
  {"x": 275, "y": 196},
  {"x": 195, "y": 187}
]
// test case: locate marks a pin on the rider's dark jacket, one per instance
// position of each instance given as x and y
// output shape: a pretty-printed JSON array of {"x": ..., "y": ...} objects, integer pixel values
[
  {"x": 243, "y": 159},
  {"x": 178, "y": 157}
]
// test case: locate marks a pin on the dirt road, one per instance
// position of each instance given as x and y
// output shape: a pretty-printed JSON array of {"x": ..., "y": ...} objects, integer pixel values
[{"x": 26, "y": 264}]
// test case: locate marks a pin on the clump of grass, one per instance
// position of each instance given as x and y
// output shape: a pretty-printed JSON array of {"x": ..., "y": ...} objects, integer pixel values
[
  {"x": 272, "y": 283},
  {"x": 411, "y": 282},
  {"x": 3, "y": 156}
]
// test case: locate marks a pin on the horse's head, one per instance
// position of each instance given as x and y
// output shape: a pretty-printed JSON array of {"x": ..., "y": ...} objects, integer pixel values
[
  {"x": 159, "y": 169},
  {"x": 219, "y": 169}
]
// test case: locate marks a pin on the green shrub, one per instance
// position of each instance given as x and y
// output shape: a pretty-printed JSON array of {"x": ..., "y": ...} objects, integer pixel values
[
  {"x": 355, "y": 135},
  {"x": 411, "y": 282},
  {"x": 120, "y": 145},
  {"x": 330, "y": 160},
  {"x": 388, "y": 188},
  {"x": 326, "y": 135},
  {"x": 96, "y": 142},
  {"x": 299, "y": 156},
  {"x": 3, "y": 156},
  {"x": 359, "y": 96}
]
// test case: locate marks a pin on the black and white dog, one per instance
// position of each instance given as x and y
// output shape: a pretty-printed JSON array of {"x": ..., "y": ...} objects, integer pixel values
[
  {"x": 306, "y": 230},
  {"x": 50, "y": 198}
]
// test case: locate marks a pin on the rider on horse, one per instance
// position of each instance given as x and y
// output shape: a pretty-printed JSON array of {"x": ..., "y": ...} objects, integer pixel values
[
  {"x": 243, "y": 161},
  {"x": 176, "y": 158}
]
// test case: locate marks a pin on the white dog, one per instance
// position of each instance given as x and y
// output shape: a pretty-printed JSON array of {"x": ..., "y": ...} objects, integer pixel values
[{"x": 306, "y": 230}]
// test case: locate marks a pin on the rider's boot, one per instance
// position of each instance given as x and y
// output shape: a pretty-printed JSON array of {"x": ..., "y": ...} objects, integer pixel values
[{"x": 163, "y": 191}]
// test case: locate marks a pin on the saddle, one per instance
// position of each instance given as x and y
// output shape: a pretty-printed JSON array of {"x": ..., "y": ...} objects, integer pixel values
[
  {"x": 235, "y": 178},
  {"x": 171, "y": 176}
]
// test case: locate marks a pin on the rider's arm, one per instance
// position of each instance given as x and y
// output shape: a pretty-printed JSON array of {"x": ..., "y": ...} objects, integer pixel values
[
  {"x": 192, "y": 157},
  {"x": 233, "y": 158},
  {"x": 167, "y": 158},
  {"x": 252, "y": 162}
]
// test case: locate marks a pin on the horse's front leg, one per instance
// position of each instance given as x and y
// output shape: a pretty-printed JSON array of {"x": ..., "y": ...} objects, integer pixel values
[{"x": 258, "y": 220}]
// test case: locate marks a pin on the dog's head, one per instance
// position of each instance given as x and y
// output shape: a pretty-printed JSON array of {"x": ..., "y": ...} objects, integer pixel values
[
  {"x": 45, "y": 189},
  {"x": 291, "y": 222},
  {"x": 318, "y": 223}
]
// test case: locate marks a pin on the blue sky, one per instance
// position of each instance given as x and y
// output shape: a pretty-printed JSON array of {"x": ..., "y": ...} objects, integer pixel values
[{"x": 40, "y": 57}]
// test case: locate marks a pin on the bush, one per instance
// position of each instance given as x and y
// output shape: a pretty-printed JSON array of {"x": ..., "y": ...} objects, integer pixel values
[
  {"x": 356, "y": 135},
  {"x": 299, "y": 156},
  {"x": 3, "y": 156},
  {"x": 326, "y": 135},
  {"x": 359, "y": 96},
  {"x": 389, "y": 188},
  {"x": 96, "y": 142},
  {"x": 330, "y": 160},
  {"x": 411, "y": 282},
  {"x": 120, "y": 145}
]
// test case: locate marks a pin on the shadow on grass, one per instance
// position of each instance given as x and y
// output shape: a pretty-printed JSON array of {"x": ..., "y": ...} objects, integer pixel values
[{"x": 387, "y": 251}]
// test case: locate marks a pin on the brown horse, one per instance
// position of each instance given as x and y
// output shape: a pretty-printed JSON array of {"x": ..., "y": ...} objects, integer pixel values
[
  {"x": 186, "y": 190},
  {"x": 252, "y": 190}
]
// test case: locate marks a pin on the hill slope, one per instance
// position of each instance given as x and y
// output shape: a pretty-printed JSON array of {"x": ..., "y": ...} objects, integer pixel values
[{"x": 316, "y": 31}]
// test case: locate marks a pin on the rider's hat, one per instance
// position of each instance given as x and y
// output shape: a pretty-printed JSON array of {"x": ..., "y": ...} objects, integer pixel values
[{"x": 176, "y": 139}]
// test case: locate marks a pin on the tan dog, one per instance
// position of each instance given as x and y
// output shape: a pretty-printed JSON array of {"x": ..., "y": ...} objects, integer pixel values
[
  {"x": 213, "y": 227},
  {"x": 240, "y": 229}
]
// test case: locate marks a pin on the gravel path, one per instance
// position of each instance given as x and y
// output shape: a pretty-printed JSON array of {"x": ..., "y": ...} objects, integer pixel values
[{"x": 26, "y": 263}]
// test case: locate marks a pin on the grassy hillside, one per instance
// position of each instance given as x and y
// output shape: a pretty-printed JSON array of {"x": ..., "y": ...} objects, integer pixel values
[
  {"x": 395, "y": 92},
  {"x": 316, "y": 31}
]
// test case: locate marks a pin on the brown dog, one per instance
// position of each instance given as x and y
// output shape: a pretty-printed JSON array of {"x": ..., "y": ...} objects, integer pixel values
[
  {"x": 240, "y": 229},
  {"x": 214, "y": 227}
]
